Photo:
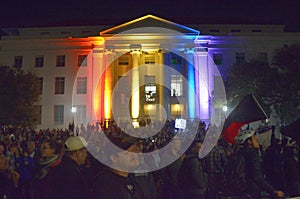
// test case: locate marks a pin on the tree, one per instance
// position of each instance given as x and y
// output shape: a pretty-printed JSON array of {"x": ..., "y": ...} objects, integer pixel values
[
  {"x": 253, "y": 77},
  {"x": 276, "y": 86},
  {"x": 287, "y": 60},
  {"x": 19, "y": 93}
]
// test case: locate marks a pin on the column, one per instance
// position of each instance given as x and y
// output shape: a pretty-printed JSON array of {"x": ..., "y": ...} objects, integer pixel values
[
  {"x": 97, "y": 85},
  {"x": 165, "y": 59},
  {"x": 202, "y": 58},
  {"x": 135, "y": 88},
  {"x": 191, "y": 84},
  {"x": 108, "y": 83}
]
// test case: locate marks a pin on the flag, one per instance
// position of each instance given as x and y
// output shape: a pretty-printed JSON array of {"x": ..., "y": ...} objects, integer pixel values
[
  {"x": 247, "y": 111},
  {"x": 264, "y": 138}
]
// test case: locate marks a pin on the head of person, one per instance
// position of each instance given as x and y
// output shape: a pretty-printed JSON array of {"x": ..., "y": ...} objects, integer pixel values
[
  {"x": 247, "y": 138},
  {"x": 75, "y": 148},
  {"x": 126, "y": 158},
  {"x": 196, "y": 146},
  {"x": 176, "y": 145},
  {"x": 49, "y": 148},
  {"x": 31, "y": 147}
]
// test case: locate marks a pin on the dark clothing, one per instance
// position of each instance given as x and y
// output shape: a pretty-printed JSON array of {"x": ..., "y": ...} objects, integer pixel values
[
  {"x": 68, "y": 181},
  {"x": 192, "y": 178},
  {"x": 6, "y": 185},
  {"x": 109, "y": 185},
  {"x": 214, "y": 164},
  {"x": 169, "y": 176},
  {"x": 255, "y": 180},
  {"x": 292, "y": 174},
  {"x": 42, "y": 188},
  {"x": 273, "y": 168}
]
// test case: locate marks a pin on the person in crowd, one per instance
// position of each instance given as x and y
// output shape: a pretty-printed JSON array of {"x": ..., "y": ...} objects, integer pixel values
[
  {"x": 214, "y": 164},
  {"x": 273, "y": 166},
  {"x": 292, "y": 174},
  {"x": 192, "y": 177},
  {"x": 25, "y": 167},
  {"x": 8, "y": 179},
  {"x": 69, "y": 179},
  {"x": 116, "y": 182},
  {"x": 170, "y": 187},
  {"x": 50, "y": 158},
  {"x": 254, "y": 179}
]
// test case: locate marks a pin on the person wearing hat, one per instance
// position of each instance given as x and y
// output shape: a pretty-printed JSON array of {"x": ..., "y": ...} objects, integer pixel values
[
  {"x": 255, "y": 181},
  {"x": 70, "y": 183},
  {"x": 115, "y": 182}
]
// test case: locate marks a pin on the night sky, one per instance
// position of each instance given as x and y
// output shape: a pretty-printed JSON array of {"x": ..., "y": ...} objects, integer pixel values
[{"x": 33, "y": 13}]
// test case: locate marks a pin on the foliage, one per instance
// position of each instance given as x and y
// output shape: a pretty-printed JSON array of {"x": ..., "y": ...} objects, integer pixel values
[
  {"x": 275, "y": 86},
  {"x": 19, "y": 92}
]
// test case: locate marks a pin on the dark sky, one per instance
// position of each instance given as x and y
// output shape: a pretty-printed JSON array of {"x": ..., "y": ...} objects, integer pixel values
[{"x": 33, "y": 13}]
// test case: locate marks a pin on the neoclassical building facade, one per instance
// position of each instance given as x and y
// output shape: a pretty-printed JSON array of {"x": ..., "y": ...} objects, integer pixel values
[{"x": 147, "y": 68}]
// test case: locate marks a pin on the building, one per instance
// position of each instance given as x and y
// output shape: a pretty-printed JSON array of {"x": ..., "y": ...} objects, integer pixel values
[{"x": 146, "y": 68}]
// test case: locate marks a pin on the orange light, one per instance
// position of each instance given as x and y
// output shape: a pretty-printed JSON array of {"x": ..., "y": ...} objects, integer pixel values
[{"x": 107, "y": 93}]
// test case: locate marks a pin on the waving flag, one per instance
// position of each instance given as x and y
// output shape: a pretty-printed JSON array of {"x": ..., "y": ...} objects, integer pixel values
[{"x": 247, "y": 111}]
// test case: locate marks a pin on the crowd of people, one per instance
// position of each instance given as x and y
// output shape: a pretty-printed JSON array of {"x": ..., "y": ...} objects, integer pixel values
[{"x": 48, "y": 164}]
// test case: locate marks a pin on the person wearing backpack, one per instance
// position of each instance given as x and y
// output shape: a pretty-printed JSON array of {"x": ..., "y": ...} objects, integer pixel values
[{"x": 247, "y": 155}]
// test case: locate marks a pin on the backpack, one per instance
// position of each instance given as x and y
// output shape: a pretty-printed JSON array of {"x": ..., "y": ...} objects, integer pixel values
[{"x": 235, "y": 174}]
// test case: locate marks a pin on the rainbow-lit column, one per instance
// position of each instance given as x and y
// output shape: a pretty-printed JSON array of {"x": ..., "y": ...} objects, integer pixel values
[
  {"x": 203, "y": 78},
  {"x": 135, "y": 89},
  {"x": 191, "y": 84},
  {"x": 96, "y": 73},
  {"x": 108, "y": 86}
]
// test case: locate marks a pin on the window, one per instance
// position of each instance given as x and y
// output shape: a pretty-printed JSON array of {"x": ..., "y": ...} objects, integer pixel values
[
  {"x": 38, "y": 114},
  {"x": 40, "y": 82},
  {"x": 82, "y": 60},
  {"x": 263, "y": 57},
  {"x": 123, "y": 89},
  {"x": 175, "y": 60},
  {"x": 176, "y": 85},
  {"x": 81, "y": 85},
  {"x": 59, "y": 85},
  {"x": 59, "y": 114},
  {"x": 18, "y": 61},
  {"x": 218, "y": 59},
  {"x": 240, "y": 58},
  {"x": 39, "y": 61},
  {"x": 60, "y": 60},
  {"x": 150, "y": 59},
  {"x": 123, "y": 60},
  {"x": 80, "y": 114},
  {"x": 256, "y": 30},
  {"x": 214, "y": 30},
  {"x": 150, "y": 88}
]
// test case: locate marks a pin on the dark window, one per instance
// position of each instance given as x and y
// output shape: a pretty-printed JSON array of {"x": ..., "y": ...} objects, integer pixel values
[
  {"x": 39, "y": 61},
  {"x": 81, "y": 85},
  {"x": 60, "y": 60},
  {"x": 59, "y": 85},
  {"x": 40, "y": 80},
  {"x": 18, "y": 62},
  {"x": 82, "y": 60},
  {"x": 124, "y": 60},
  {"x": 176, "y": 60},
  {"x": 240, "y": 58},
  {"x": 218, "y": 59},
  {"x": 59, "y": 114}
]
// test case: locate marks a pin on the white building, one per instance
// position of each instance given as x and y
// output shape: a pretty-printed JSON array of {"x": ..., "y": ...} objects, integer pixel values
[{"x": 97, "y": 69}]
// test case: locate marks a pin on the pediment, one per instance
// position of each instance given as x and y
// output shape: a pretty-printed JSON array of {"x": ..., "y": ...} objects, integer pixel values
[{"x": 149, "y": 21}]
